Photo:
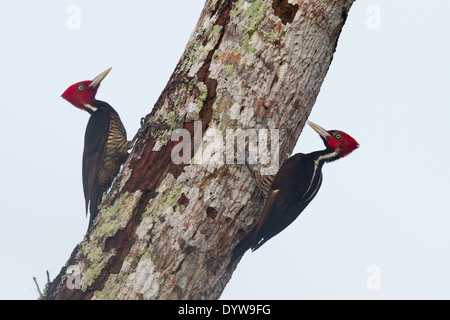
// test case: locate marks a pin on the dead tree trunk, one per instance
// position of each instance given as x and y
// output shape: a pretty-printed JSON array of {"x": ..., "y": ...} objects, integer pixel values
[{"x": 167, "y": 230}]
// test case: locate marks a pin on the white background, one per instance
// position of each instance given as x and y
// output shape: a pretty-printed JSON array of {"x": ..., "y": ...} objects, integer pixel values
[{"x": 385, "y": 205}]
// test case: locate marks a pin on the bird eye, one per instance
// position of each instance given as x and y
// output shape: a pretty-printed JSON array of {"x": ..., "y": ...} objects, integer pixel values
[
  {"x": 81, "y": 87},
  {"x": 338, "y": 135}
]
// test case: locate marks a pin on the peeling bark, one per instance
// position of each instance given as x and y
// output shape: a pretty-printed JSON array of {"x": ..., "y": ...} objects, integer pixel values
[{"x": 166, "y": 231}]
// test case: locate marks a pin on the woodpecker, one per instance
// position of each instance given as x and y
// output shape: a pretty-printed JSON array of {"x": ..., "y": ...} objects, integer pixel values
[
  {"x": 105, "y": 142},
  {"x": 290, "y": 191}
]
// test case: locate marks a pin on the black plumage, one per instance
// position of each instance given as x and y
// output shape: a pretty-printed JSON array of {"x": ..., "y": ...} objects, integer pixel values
[
  {"x": 294, "y": 186},
  {"x": 105, "y": 150},
  {"x": 291, "y": 190}
]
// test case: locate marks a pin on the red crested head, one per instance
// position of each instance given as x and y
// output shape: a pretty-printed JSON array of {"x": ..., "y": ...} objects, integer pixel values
[
  {"x": 82, "y": 94},
  {"x": 336, "y": 140}
]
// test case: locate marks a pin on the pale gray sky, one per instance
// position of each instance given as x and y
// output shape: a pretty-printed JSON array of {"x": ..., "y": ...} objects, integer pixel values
[{"x": 383, "y": 208}]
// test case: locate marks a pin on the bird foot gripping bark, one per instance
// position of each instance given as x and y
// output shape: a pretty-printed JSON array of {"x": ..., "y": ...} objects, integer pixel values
[
  {"x": 241, "y": 159},
  {"x": 139, "y": 134},
  {"x": 263, "y": 182}
]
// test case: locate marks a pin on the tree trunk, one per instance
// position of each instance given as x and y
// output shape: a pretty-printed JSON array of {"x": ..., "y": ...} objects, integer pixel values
[{"x": 166, "y": 230}]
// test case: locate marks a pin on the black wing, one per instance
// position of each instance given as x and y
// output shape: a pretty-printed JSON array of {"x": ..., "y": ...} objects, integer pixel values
[
  {"x": 294, "y": 186},
  {"x": 95, "y": 140}
]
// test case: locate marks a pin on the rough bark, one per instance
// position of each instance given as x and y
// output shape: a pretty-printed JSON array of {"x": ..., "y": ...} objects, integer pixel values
[{"x": 166, "y": 230}]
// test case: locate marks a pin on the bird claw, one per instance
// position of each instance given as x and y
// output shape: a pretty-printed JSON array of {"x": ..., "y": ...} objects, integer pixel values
[{"x": 140, "y": 132}]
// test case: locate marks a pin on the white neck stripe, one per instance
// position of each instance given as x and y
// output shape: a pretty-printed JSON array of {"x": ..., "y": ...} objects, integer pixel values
[
  {"x": 326, "y": 156},
  {"x": 316, "y": 165},
  {"x": 88, "y": 106}
]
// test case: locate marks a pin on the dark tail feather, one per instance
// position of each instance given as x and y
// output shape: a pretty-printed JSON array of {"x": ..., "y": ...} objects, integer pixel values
[
  {"x": 95, "y": 201},
  {"x": 243, "y": 245}
]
